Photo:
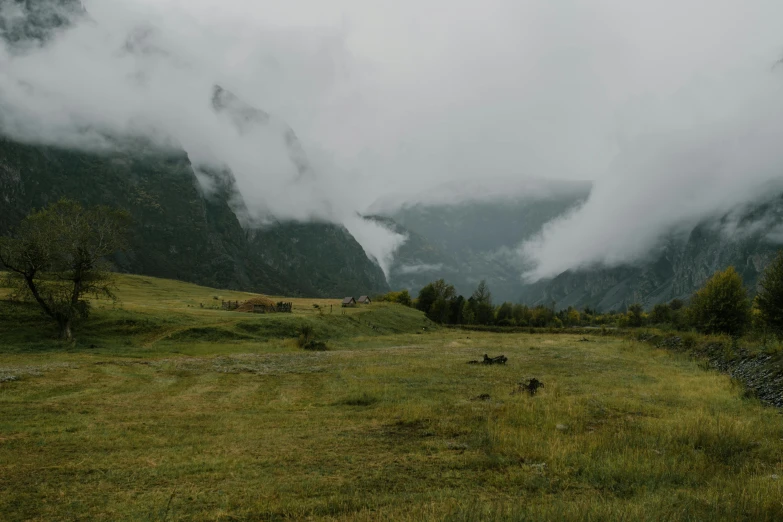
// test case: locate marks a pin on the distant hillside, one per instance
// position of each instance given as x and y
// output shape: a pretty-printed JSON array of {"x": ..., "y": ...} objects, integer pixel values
[
  {"x": 747, "y": 239},
  {"x": 466, "y": 242},
  {"x": 180, "y": 232},
  {"x": 472, "y": 240}
]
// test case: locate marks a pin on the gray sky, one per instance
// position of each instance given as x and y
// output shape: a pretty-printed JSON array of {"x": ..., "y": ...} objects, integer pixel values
[{"x": 654, "y": 101}]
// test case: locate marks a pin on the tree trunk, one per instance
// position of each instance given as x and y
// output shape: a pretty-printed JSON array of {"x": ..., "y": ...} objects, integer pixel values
[{"x": 65, "y": 329}]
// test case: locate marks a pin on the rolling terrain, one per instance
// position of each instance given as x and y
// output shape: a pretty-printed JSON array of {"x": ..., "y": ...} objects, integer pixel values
[{"x": 162, "y": 409}]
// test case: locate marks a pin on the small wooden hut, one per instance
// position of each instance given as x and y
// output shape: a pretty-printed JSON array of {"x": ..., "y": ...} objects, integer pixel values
[
  {"x": 348, "y": 302},
  {"x": 365, "y": 299}
]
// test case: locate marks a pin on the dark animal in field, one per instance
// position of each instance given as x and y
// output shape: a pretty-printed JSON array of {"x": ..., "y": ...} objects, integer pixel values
[
  {"x": 531, "y": 387},
  {"x": 500, "y": 359}
]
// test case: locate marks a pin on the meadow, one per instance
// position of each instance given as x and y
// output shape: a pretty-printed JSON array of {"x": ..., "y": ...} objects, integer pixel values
[{"x": 166, "y": 410}]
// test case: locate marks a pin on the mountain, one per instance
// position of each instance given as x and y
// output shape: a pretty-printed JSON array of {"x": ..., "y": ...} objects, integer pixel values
[
  {"x": 746, "y": 238},
  {"x": 190, "y": 221},
  {"x": 180, "y": 232},
  {"x": 472, "y": 240}
]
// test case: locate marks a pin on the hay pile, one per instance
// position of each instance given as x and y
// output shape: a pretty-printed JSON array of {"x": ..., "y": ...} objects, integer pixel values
[{"x": 247, "y": 306}]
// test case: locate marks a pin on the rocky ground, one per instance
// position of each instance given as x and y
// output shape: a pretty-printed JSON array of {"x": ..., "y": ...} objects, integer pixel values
[{"x": 760, "y": 372}]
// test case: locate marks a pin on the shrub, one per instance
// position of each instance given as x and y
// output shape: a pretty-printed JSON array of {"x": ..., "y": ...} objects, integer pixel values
[
  {"x": 689, "y": 341},
  {"x": 769, "y": 301},
  {"x": 402, "y": 297},
  {"x": 661, "y": 314},
  {"x": 722, "y": 305},
  {"x": 676, "y": 304},
  {"x": 315, "y": 346},
  {"x": 306, "y": 334},
  {"x": 635, "y": 315}
]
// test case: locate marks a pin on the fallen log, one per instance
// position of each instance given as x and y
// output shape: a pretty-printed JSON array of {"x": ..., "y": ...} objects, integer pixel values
[{"x": 500, "y": 359}]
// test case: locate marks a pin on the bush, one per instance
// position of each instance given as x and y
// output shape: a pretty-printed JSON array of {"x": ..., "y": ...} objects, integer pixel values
[
  {"x": 635, "y": 315},
  {"x": 722, "y": 305},
  {"x": 689, "y": 341},
  {"x": 769, "y": 301},
  {"x": 315, "y": 346},
  {"x": 306, "y": 334},
  {"x": 661, "y": 314},
  {"x": 402, "y": 297},
  {"x": 676, "y": 304}
]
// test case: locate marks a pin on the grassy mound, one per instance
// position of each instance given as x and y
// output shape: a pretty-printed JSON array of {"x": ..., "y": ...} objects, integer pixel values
[
  {"x": 248, "y": 306},
  {"x": 163, "y": 316}
]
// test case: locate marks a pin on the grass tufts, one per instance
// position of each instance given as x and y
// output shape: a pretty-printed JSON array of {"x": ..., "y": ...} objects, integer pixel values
[{"x": 363, "y": 399}]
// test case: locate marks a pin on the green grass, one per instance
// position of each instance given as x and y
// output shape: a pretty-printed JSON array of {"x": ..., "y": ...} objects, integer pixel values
[
  {"x": 158, "y": 316},
  {"x": 184, "y": 413}
]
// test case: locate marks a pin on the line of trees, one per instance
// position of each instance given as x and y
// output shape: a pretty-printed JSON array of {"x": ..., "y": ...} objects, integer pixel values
[
  {"x": 722, "y": 306},
  {"x": 439, "y": 300}
]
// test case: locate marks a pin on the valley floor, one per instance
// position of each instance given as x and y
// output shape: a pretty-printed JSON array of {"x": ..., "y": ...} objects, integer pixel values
[{"x": 187, "y": 413}]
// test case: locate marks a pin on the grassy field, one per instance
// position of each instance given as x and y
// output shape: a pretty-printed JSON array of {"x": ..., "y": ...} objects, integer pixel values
[
  {"x": 163, "y": 410},
  {"x": 158, "y": 316}
]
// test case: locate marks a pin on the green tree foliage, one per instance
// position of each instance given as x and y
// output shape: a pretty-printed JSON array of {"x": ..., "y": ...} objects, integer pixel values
[
  {"x": 482, "y": 293},
  {"x": 434, "y": 300},
  {"x": 679, "y": 314},
  {"x": 521, "y": 315},
  {"x": 505, "y": 315},
  {"x": 635, "y": 315},
  {"x": 676, "y": 304},
  {"x": 661, "y": 314},
  {"x": 440, "y": 302},
  {"x": 769, "y": 300},
  {"x": 468, "y": 316},
  {"x": 482, "y": 304},
  {"x": 541, "y": 316},
  {"x": 402, "y": 297},
  {"x": 57, "y": 257},
  {"x": 427, "y": 296},
  {"x": 722, "y": 305},
  {"x": 457, "y": 308}
]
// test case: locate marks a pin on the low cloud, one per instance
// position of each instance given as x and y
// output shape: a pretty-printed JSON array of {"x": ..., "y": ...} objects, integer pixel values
[
  {"x": 419, "y": 269},
  {"x": 379, "y": 242},
  {"x": 675, "y": 115},
  {"x": 673, "y": 177}
]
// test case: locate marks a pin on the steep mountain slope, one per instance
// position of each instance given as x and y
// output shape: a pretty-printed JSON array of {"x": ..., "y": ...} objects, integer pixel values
[{"x": 181, "y": 230}]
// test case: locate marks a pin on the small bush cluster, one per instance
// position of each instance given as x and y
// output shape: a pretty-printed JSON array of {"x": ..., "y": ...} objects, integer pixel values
[
  {"x": 307, "y": 341},
  {"x": 402, "y": 297}
]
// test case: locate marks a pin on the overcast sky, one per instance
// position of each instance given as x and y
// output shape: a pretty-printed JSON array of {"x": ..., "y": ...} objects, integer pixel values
[{"x": 670, "y": 106}]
